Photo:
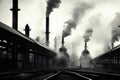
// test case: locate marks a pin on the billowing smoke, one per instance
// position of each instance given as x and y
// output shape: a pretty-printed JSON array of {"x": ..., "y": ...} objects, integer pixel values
[
  {"x": 116, "y": 28},
  {"x": 77, "y": 14},
  {"x": 74, "y": 61},
  {"x": 87, "y": 35},
  {"x": 41, "y": 38},
  {"x": 37, "y": 39},
  {"x": 115, "y": 35},
  {"x": 51, "y": 4}
]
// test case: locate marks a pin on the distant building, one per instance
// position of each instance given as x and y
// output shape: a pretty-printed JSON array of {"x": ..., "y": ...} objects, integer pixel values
[
  {"x": 64, "y": 58},
  {"x": 85, "y": 59}
]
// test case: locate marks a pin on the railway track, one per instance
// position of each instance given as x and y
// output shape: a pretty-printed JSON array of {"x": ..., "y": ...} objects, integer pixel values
[
  {"x": 99, "y": 76},
  {"x": 66, "y": 75},
  {"x": 58, "y": 75},
  {"x": 78, "y": 75},
  {"x": 28, "y": 75}
]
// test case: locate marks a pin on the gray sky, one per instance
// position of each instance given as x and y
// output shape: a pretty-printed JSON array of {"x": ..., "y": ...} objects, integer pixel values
[{"x": 97, "y": 18}]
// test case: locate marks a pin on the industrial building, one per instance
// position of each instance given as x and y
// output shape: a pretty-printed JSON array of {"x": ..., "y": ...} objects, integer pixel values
[
  {"x": 109, "y": 61},
  {"x": 85, "y": 59},
  {"x": 20, "y": 51}
]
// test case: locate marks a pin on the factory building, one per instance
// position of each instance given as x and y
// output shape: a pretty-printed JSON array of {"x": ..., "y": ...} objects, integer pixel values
[
  {"x": 85, "y": 59},
  {"x": 20, "y": 52},
  {"x": 108, "y": 61},
  {"x": 63, "y": 59}
]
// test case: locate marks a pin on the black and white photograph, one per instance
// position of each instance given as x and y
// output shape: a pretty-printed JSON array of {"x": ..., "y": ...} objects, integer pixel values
[{"x": 59, "y": 39}]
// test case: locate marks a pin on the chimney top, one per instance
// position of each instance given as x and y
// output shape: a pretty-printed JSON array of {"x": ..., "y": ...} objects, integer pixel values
[
  {"x": 27, "y": 30},
  {"x": 27, "y": 26}
]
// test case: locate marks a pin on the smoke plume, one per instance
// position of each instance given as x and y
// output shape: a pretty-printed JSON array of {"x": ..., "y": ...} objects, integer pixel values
[
  {"x": 77, "y": 14},
  {"x": 116, "y": 28},
  {"x": 51, "y": 4},
  {"x": 87, "y": 35}
]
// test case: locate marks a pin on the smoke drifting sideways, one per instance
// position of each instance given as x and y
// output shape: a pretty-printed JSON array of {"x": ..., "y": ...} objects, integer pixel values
[
  {"x": 77, "y": 14},
  {"x": 51, "y": 4},
  {"x": 115, "y": 28},
  {"x": 87, "y": 35}
]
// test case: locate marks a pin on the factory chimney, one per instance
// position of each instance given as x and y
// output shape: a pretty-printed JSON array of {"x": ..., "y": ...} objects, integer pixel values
[
  {"x": 85, "y": 45},
  {"x": 27, "y": 30},
  {"x": 47, "y": 31},
  {"x": 15, "y": 14},
  {"x": 63, "y": 41}
]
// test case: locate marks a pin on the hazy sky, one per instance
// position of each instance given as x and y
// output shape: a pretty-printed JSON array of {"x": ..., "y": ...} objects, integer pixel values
[{"x": 98, "y": 18}]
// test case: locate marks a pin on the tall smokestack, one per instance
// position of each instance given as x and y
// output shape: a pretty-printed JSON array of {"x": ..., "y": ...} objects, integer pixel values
[
  {"x": 15, "y": 14},
  {"x": 63, "y": 41},
  {"x": 85, "y": 45},
  {"x": 27, "y": 30},
  {"x": 47, "y": 31},
  {"x": 51, "y": 4}
]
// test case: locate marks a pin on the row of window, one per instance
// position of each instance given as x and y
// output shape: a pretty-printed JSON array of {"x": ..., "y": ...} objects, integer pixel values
[{"x": 35, "y": 60}]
